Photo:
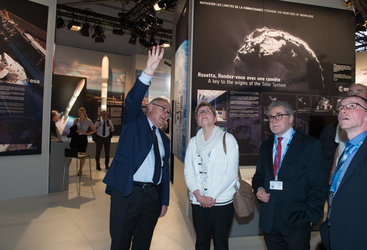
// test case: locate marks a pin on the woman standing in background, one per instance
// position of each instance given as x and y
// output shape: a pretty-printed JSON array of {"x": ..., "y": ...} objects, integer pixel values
[{"x": 83, "y": 125}]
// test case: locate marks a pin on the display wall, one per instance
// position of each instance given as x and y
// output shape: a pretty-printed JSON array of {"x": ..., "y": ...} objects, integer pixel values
[
  {"x": 248, "y": 54},
  {"x": 22, "y": 68},
  {"x": 26, "y": 175}
]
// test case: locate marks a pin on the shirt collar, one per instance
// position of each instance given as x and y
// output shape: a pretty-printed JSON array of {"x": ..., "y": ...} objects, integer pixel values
[
  {"x": 357, "y": 139},
  {"x": 287, "y": 135},
  {"x": 150, "y": 123}
]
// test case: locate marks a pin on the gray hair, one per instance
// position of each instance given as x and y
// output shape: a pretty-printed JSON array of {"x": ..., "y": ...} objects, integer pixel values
[
  {"x": 158, "y": 99},
  {"x": 287, "y": 106}
]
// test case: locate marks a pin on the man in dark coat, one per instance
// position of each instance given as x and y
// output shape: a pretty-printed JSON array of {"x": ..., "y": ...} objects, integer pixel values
[
  {"x": 138, "y": 179},
  {"x": 290, "y": 183}
]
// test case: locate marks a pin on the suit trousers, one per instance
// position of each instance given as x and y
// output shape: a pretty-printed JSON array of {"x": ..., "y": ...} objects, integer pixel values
[
  {"x": 278, "y": 241},
  {"x": 213, "y": 222},
  {"x": 134, "y": 217},
  {"x": 106, "y": 142}
]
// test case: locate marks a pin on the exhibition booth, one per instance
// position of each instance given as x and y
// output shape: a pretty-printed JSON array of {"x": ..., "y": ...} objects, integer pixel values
[{"x": 239, "y": 57}]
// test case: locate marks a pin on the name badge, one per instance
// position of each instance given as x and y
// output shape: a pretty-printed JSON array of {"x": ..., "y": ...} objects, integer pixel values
[{"x": 276, "y": 185}]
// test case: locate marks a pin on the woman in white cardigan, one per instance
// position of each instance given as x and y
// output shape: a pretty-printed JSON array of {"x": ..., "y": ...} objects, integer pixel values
[{"x": 210, "y": 175}]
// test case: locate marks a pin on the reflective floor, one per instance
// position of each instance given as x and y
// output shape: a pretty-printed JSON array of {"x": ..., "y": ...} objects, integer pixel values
[{"x": 65, "y": 220}]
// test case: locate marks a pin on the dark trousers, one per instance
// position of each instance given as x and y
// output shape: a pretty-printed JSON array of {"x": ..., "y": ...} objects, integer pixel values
[
  {"x": 134, "y": 218},
  {"x": 106, "y": 142},
  {"x": 213, "y": 222},
  {"x": 298, "y": 241}
]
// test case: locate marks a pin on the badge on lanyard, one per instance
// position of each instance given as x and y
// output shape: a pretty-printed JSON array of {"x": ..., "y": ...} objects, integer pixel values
[{"x": 276, "y": 185}]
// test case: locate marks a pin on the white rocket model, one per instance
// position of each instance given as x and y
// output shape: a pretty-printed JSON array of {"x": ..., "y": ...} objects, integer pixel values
[
  {"x": 105, "y": 66},
  {"x": 63, "y": 120}
]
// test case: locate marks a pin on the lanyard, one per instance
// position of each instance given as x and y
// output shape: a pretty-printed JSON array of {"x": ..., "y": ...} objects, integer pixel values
[
  {"x": 336, "y": 176},
  {"x": 279, "y": 164}
]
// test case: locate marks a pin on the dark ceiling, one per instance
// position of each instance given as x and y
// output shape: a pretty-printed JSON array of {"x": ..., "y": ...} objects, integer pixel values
[
  {"x": 134, "y": 17},
  {"x": 138, "y": 19}
]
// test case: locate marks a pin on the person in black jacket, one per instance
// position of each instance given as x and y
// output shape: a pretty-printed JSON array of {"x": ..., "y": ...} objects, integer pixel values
[{"x": 290, "y": 182}]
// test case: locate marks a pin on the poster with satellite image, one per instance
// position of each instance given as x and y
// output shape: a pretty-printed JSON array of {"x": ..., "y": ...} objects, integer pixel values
[
  {"x": 22, "y": 63},
  {"x": 261, "y": 50}
]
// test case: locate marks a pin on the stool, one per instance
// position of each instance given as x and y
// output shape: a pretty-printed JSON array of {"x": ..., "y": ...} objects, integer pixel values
[{"x": 78, "y": 158}]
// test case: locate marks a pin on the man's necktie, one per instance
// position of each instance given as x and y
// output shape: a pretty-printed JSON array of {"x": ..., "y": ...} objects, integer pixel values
[
  {"x": 278, "y": 155},
  {"x": 104, "y": 128},
  {"x": 158, "y": 162}
]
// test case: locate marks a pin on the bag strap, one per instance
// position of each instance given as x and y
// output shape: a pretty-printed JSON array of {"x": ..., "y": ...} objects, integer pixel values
[
  {"x": 239, "y": 174},
  {"x": 225, "y": 151},
  {"x": 224, "y": 143}
]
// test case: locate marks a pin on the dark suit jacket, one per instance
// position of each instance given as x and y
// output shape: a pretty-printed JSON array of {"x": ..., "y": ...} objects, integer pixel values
[
  {"x": 304, "y": 186},
  {"x": 348, "y": 217},
  {"x": 136, "y": 140}
]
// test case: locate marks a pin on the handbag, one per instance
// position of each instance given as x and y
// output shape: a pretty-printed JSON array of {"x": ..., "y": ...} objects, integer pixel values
[{"x": 243, "y": 198}]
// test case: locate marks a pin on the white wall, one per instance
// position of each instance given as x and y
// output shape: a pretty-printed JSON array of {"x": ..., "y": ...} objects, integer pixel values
[{"x": 28, "y": 175}]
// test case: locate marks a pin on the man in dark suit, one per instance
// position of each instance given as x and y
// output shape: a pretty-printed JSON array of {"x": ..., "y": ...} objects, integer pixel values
[
  {"x": 103, "y": 136},
  {"x": 138, "y": 178},
  {"x": 345, "y": 226},
  {"x": 290, "y": 183}
]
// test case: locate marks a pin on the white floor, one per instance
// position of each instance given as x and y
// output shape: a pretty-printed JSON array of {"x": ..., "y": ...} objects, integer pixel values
[{"x": 67, "y": 221}]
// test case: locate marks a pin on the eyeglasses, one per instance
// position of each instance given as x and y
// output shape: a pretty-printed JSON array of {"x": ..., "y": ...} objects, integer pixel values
[
  {"x": 277, "y": 117},
  {"x": 204, "y": 111},
  {"x": 348, "y": 106},
  {"x": 164, "y": 109}
]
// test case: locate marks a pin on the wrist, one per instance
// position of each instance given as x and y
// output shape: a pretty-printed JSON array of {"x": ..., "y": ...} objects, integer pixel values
[{"x": 148, "y": 73}]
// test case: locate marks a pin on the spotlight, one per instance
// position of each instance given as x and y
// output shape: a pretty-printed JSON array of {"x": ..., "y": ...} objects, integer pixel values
[
  {"x": 156, "y": 7},
  {"x": 164, "y": 44},
  {"x": 118, "y": 31},
  {"x": 162, "y": 4},
  {"x": 98, "y": 34},
  {"x": 133, "y": 39},
  {"x": 152, "y": 42},
  {"x": 85, "y": 29},
  {"x": 74, "y": 26},
  {"x": 60, "y": 22},
  {"x": 144, "y": 42}
]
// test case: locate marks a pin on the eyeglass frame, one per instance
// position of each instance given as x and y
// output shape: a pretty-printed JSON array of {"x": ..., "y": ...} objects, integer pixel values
[
  {"x": 164, "y": 108},
  {"x": 274, "y": 117},
  {"x": 205, "y": 111},
  {"x": 340, "y": 107}
]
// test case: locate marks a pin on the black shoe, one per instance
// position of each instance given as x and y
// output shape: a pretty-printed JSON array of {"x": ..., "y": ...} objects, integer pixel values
[
  {"x": 107, "y": 167},
  {"x": 98, "y": 168}
]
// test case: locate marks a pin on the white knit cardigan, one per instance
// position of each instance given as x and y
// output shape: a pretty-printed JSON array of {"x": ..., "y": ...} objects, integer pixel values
[{"x": 222, "y": 171}]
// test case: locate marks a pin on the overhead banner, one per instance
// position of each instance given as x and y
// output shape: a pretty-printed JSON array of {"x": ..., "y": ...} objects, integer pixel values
[
  {"x": 22, "y": 64},
  {"x": 247, "y": 54}
]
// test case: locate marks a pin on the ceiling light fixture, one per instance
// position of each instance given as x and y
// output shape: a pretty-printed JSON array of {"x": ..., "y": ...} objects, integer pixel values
[
  {"x": 164, "y": 44},
  {"x": 152, "y": 42},
  {"x": 85, "y": 29},
  {"x": 156, "y": 7},
  {"x": 98, "y": 34},
  {"x": 133, "y": 39},
  {"x": 74, "y": 26},
  {"x": 117, "y": 31},
  {"x": 144, "y": 42}
]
